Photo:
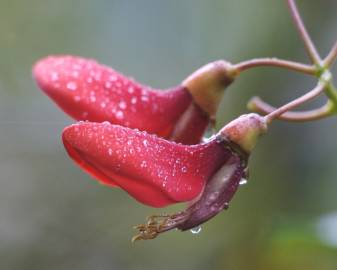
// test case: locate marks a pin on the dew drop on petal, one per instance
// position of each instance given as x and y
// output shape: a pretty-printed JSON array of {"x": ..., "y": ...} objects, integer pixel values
[
  {"x": 75, "y": 74},
  {"x": 54, "y": 76},
  {"x": 196, "y": 230},
  {"x": 145, "y": 98},
  {"x": 113, "y": 78},
  {"x": 131, "y": 89},
  {"x": 93, "y": 99},
  {"x": 77, "y": 98},
  {"x": 108, "y": 84},
  {"x": 72, "y": 86},
  {"x": 122, "y": 105},
  {"x": 119, "y": 115}
]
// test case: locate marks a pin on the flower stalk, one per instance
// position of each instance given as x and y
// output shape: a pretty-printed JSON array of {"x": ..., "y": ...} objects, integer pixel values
[
  {"x": 309, "y": 45},
  {"x": 285, "y": 64},
  {"x": 320, "y": 69}
]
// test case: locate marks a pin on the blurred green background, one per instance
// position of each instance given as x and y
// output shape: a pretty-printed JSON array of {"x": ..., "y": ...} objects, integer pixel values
[{"x": 53, "y": 216}]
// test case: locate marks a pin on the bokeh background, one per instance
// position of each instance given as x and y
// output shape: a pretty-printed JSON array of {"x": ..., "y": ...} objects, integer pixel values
[{"x": 53, "y": 216}]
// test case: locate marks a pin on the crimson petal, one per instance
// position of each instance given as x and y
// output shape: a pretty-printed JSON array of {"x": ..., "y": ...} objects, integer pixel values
[
  {"x": 154, "y": 171},
  {"x": 90, "y": 91}
]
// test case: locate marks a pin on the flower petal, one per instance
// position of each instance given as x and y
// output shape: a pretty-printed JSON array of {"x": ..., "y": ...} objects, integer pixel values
[
  {"x": 154, "y": 171},
  {"x": 87, "y": 90}
]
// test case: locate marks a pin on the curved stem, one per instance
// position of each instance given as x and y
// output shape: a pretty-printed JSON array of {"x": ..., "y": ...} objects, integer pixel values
[
  {"x": 290, "y": 65},
  {"x": 310, "y": 47},
  {"x": 296, "y": 102},
  {"x": 258, "y": 105},
  {"x": 331, "y": 57}
]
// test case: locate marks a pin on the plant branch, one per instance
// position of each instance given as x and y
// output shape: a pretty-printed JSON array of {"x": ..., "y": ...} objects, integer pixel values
[
  {"x": 331, "y": 57},
  {"x": 299, "y": 101},
  {"x": 258, "y": 105},
  {"x": 310, "y": 47},
  {"x": 290, "y": 65}
]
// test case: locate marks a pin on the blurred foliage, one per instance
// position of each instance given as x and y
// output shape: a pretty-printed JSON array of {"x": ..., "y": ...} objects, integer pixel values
[{"x": 53, "y": 216}]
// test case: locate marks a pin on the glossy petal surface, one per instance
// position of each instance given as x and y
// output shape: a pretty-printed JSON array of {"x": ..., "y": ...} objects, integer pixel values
[
  {"x": 90, "y": 91},
  {"x": 154, "y": 171}
]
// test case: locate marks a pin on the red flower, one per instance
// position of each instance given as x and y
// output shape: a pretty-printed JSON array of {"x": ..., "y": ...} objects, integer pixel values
[
  {"x": 87, "y": 90},
  {"x": 157, "y": 172}
]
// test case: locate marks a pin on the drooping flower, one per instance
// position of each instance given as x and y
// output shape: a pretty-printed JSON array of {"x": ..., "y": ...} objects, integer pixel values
[
  {"x": 157, "y": 172},
  {"x": 87, "y": 90}
]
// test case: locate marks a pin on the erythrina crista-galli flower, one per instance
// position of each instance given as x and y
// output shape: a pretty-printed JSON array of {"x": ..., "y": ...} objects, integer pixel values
[
  {"x": 157, "y": 172},
  {"x": 87, "y": 90}
]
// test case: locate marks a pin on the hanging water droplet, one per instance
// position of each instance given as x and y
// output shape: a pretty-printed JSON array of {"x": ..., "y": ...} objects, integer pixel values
[
  {"x": 243, "y": 181},
  {"x": 196, "y": 230}
]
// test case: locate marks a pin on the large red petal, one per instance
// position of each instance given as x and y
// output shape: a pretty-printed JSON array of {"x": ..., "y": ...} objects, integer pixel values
[
  {"x": 90, "y": 91},
  {"x": 154, "y": 171}
]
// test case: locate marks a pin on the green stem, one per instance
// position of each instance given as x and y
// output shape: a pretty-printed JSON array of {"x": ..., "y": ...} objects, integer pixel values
[{"x": 331, "y": 93}]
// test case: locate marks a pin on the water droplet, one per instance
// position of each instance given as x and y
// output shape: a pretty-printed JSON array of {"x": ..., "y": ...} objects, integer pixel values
[
  {"x": 196, "y": 230},
  {"x": 77, "y": 98},
  {"x": 133, "y": 100},
  {"x": 110, "y": 151},
  {"x": 75, "y": 74},
  {"x": 131, "y": 90},
  {"x": 54, "y": 76},
  {"x": 72, "y": 86},
  {"x": 113, "y": 78},
  {"x": 145, "y": 98},
  {"x": 93, "y": 99},
  {"x": 122, "y": 105},
  {"x": 108, "y": 84},
  {"x": 120, "y": 115},
  {"x": 243, "y": 181}
]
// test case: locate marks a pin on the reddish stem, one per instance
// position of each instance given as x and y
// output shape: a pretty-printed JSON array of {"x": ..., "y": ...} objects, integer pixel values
[
  {"x": 258, "y": 105},
  {"x": 296, "y": 102},
  {"x": 331, "y": 57},
  {"x": 310, "y": 47},
  {"x": 290, "y": 65}
]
